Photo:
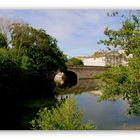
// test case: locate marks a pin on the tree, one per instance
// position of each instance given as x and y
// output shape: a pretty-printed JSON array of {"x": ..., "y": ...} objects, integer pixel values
[
  {"x": 42, "y": 50},
  {"x": 21, "y": 35},
  {"x": 126, "y": 38},
  {"x": 74, "y": 61},
  {"x": 27, "y": 68},
  {"x": 36, "y": 57},
  {"x": 124, "y": 81},
  {"x": 3, "y": 41}
]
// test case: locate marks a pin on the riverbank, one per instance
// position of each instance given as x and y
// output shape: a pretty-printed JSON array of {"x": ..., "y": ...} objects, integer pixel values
[{"x": 96, "y": 92}]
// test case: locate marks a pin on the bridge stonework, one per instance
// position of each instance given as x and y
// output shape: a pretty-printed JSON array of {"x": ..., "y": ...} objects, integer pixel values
[{"x": 86, "y": 72}]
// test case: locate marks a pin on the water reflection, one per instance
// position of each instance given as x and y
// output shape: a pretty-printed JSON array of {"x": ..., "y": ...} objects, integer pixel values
[
  {"x": 107, "y": 115},
  {"x": 82, "y": 85}
]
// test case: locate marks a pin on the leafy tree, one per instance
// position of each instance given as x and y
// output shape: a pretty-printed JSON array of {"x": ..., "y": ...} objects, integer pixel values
[
  {"x": 126, "y": 38},
  {"x": 124, "y": 81},
  {"x": 33, "y": 59},
  {"x": 21, "y": 35},
  {"x": 63, "y": 117},
  {"x": 27, "y": 67},
  {"x": 3, "y": 41},
  {"x": 41, "y": 48},
  {"x": 9, "y": 71},
  {"x": 74, "y": 61}
]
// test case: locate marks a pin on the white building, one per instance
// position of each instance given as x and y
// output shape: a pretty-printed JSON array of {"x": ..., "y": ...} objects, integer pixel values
[
  {"x": 109, "y": 58},
  {"x": 94, "y": 62}
]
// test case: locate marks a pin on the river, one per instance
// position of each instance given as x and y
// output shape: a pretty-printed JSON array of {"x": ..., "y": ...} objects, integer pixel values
[{"x": 106, "y": 115}]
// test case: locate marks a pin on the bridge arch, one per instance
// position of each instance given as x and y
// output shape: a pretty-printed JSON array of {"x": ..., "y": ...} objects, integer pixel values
[
  {"x": 66, "y": 79},
  {"x": 86, "y": 72},
  {"x": 74, "y": 73},
  {"x": 71, "y": 78}
]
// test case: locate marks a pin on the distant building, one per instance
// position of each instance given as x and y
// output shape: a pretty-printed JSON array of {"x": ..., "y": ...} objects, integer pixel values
[
  {"x": 90, "y": 61},
  {"x": 115, "y": 59},
  {"x": 108, "y": 59},
  {"x": 94, "y": 62}
]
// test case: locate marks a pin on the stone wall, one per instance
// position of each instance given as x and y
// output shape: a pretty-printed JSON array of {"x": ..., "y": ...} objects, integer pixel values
[{"x": 86, "y": 72}]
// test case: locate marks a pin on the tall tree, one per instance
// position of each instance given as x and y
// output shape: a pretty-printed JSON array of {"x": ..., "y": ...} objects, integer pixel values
[
  {"x": 124, "y": 81},
  {"x": 126, "y": 38},
  {"x": 34, "y": 54},
  {"x": 3, "y": 41},
  {"x": 41, "y": 48}
]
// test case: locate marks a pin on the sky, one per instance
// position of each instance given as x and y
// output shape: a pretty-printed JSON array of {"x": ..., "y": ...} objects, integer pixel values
[{"x": 77, "y": 31}]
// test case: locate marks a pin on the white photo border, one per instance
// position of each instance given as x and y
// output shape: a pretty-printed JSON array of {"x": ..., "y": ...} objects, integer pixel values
[{"x": 70, "y": 4}]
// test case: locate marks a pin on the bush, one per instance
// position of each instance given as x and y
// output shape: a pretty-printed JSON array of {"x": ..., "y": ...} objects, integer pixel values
[
  {"x": 74, "y": 61},
  {"x": 9, "y": 71},
  {"x": 123, "y": 82},
  {"x": 29, "y": 66},
  {"x": 63, "y": 117}
]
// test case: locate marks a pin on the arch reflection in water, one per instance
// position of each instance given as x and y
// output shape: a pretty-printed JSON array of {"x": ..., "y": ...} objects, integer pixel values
[
  {"x": 67, "y": 79},
  {"x": 71, "y": 79}
]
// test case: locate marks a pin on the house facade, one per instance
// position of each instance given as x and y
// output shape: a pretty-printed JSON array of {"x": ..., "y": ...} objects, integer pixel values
[{"x": 108, "y": 59}]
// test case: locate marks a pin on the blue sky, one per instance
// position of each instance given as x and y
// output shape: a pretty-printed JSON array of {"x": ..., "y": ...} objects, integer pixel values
[{"x": 77, "y": 31}]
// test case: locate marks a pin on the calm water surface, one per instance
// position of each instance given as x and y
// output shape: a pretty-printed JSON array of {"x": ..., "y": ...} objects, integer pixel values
[{"x": 107, "y": 115}]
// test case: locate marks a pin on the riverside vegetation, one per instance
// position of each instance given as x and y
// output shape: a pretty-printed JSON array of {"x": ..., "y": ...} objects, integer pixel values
[
  {"x": 124, "y": 80},
  {"x": 65, "y": 116},
  {"x": 29, "y": 60},
  {"x": 32, "y": 60}
]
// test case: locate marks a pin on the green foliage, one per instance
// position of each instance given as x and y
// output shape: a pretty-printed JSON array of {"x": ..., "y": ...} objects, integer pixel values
[
  {"x": 74, "y": 61},
  {"x": 8, "y": 72},
  {"x": 25, "y": 62},
  {"x": 41, "y": 49},
  {"x": 3, "y": 41},
  {"x": 113, "y": 81},
  {"x": 98, "y": 54},
  {"x": 32, "y": 61},
  {"x": 20, "y": 35},
  {"x": 65, "y": 116},
  {"x": 124, "y": 81},
  {"x": 127, "y": 37}
]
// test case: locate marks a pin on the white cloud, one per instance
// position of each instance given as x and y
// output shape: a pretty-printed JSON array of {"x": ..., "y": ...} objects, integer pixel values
[
  {"x": 74, "y": 29},
  {"x": 64, "y": 24}
]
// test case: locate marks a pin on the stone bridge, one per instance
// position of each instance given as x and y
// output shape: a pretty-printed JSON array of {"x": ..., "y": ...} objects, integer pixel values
[{"x": 86, "y": 72}]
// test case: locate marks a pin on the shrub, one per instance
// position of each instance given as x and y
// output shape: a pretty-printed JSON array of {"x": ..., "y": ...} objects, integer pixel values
[
  {"x": 63, "y": 117},
  {"x": 74, "y": 61}
]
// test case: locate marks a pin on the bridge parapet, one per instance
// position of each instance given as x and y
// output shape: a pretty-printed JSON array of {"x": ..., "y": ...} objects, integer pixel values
[{"x": 86, "y": 72}]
